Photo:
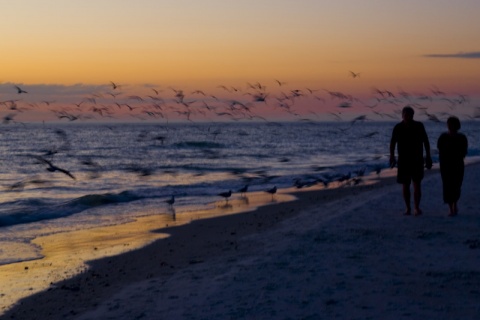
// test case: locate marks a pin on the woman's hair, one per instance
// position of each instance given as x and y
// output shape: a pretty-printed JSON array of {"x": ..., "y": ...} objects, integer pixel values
[
  {"x": 408, "y": 110},
  {"x": 453, "y": 123}
]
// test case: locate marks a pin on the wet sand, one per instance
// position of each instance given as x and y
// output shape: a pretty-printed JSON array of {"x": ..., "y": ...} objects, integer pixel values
[
  {"x": 345, "y": 253},
  {"x": 65, "y": 255}
]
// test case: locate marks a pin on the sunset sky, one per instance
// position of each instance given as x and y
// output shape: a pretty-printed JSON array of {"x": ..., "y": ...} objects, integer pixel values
[{"x": 53, "y": 48}]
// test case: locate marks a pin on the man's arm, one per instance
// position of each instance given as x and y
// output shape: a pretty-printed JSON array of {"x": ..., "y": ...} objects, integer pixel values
[
  {"x": 393, "y": 142},
  {"x": 427, "y": 147}
]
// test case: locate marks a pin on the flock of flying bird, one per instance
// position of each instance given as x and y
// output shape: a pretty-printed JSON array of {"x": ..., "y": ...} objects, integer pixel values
[{"x": 254, "y": 101}]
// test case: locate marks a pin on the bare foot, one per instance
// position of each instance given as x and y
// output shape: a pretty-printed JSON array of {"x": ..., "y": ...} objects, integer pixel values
[
  {"x": 407, "y": 212},
  {"x": 417, "y": 212},
  {"x": 453, "y": 209}
]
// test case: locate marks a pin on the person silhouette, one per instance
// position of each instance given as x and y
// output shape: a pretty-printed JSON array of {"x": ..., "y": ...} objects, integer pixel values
[
  {"x": 410, "y": 138},
  {"x": 452, "y": 148}
]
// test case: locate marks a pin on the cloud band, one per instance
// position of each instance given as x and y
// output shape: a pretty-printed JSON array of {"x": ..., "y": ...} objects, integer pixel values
[{"x": 460, "y": 55}]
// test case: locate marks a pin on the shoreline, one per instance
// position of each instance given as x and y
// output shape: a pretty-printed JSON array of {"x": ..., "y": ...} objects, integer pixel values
[
  {"x": 198, "y": 244},
  {"x": 66, "y": 254},
  {"x": 60, "y": 264}
]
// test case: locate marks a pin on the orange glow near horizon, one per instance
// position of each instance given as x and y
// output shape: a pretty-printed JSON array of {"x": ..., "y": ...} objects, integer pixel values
[{"x": 193, "y": 45}]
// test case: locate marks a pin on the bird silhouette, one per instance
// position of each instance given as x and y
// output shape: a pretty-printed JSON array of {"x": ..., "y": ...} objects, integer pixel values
[
  {"x": 53, "y": 168},
  {"x": 114, "y": 85},
  {"x": 226, "y": 195},
  {"x": 272, "y": 191},
  {"x": 170, "y": 201},
  {"x": 20, "y": 90},
  {"x": 243, "y": 190},
  {"x": 9, "y": 118},
  {"x": 354, "y": 74}
]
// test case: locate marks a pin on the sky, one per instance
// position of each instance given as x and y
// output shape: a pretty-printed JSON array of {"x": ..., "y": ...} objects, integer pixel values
[{"x": 66, "y": 52}]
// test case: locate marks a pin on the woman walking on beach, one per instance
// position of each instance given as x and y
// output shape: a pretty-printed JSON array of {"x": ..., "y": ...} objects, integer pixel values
[{"x": 452, "y": 147}]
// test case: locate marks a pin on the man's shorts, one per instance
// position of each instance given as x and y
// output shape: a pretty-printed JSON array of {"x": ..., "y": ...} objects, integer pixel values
[{"x": 410, "y": 172}]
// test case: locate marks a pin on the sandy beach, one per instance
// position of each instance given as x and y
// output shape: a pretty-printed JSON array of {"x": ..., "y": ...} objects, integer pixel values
[{"x": 345, "y": 253}]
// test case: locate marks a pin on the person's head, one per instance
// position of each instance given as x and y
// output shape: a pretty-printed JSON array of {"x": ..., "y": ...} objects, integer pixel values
[
  {"x": 453, "y": 124},
  {"x": 407, "y": 113}
]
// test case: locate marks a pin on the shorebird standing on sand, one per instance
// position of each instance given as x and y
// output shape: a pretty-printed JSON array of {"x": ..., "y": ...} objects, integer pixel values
[
  {"x": 170, "y": 201},
  {"x": 272, "y": 191},
  {"x": 226, "y": 195},
  {"x": 243, "y": 190}
]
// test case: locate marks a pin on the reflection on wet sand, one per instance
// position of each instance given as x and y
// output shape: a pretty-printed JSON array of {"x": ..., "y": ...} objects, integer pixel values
[{"x": 65, "y": 254}]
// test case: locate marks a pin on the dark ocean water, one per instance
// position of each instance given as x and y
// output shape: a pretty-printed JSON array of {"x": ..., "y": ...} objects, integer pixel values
[{"x": 123, "y": 170}]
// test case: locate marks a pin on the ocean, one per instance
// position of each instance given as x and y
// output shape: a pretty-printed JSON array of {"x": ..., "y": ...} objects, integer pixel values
[{"x": 70, "y": 176}]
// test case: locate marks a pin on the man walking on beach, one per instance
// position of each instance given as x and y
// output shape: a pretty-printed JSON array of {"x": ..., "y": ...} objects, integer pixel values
[{"x": 410, "y": 138}]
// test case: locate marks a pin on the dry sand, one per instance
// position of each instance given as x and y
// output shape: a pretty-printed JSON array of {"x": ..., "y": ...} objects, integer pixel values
[{"x": 346, "y": 253}]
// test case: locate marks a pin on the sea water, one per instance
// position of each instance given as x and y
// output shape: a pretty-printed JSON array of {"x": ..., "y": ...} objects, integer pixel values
[{"x": 63, "y": 177}]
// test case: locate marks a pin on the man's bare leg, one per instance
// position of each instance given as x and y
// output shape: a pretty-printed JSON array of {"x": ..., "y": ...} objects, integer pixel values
[
  {"x": 451, "y": 207},
  {"x": 406, "y": 198},
  {"x": 417, "y": 196}
]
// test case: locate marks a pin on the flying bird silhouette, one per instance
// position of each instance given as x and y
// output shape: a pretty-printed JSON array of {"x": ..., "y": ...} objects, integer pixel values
[
  {"x": 20, "y": 90},
  {"x": 9, "y": 118},
  {"x": 53, "y": 168},
  {"x": 354, "y": 74},
  {"x": 114, "y": 85}
]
